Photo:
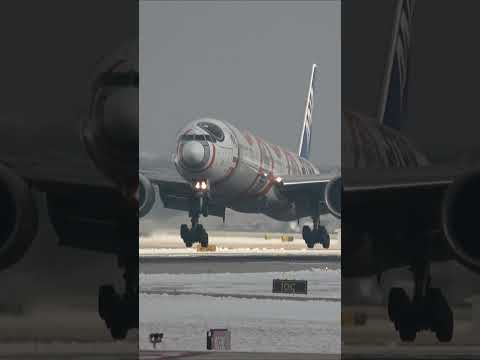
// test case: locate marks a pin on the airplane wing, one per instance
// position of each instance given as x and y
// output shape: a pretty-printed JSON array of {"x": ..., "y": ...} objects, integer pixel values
[
  {"x": 175, "y": 192},
  {"x": 313, "y": 187},
  {"x": 416, "y": 200}
]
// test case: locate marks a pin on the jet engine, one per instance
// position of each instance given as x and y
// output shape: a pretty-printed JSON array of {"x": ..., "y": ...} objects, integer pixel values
[
  {"x": 460, "y": 219},
  {"x": 110, "y": 131},
  {"x": 333, "y": 196},
  {"x": 146, "y": 195},
  {"x": 18, "y": 217}
]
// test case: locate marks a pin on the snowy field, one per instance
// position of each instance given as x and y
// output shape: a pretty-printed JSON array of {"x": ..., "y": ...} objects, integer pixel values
[{"x": 185, "y": 305}]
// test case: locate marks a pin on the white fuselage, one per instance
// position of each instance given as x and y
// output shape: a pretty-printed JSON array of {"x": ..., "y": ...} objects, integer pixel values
[{"x": 241, "y": 168}]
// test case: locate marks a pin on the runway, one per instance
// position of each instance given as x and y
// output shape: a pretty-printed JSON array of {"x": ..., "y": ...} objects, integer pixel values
[
  {"x": 236, "y": 292},
  {"x": 153, "y": 355}
]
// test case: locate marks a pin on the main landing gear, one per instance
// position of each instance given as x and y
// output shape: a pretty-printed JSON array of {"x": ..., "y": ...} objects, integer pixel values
[
  {"x": 428, "y": 310},
  {"x": 318, "y": 234},
  {"x": 120, "y": 311},
  {"x": 198, "y": 206}
]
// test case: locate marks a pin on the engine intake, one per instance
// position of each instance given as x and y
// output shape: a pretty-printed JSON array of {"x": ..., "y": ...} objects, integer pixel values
[
  {"x": 460, "y": 219},
  {"x": 333, "y": 196},
  {"x": 146, "y": 195},
  {"x": 18, "y": 218}
]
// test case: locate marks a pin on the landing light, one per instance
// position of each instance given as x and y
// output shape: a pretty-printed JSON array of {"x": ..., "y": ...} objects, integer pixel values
[
  {"x": 201, "y": 185},
  {"x": 278, "y": 179}
]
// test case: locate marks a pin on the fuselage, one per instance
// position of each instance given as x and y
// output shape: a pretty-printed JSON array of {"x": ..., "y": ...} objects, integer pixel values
[{"x": 241, "y": 168}]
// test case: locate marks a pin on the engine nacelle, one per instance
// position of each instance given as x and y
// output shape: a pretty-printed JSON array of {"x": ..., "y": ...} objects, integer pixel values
[
  {"x": 110, "y": 131},
  {"x": 18, "y": 218},
  {"x": 146, "y": 195},
  {"x": 460, "y": 219},
  {"x": 333, "y": 196}
]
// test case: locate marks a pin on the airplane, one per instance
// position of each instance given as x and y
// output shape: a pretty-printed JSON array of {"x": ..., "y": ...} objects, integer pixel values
[
  {"x": 90, "y": 200},
  {"x": 399, "y": 208},
  {"x": 221, "y": 167}
]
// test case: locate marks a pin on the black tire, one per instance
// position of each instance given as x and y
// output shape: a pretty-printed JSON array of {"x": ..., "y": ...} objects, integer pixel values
[
  {"x": 306, "y": 232},
  {"x": 441, "y": 315},
  {"x": 407, "y": 330},
  {"x": 307, "y": 235},
  {"x": 184, "y": 231},
  {"x": 201, "y": 235},
  {"x": 398, "y": 301},
  {"x": 106, "y": 302},
  {"x": 119, "y": 331},
  {"x": 325, "y": 237}
]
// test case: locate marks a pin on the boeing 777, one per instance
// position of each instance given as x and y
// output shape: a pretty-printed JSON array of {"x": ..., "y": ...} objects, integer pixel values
[{"x": 223, "y": 167}]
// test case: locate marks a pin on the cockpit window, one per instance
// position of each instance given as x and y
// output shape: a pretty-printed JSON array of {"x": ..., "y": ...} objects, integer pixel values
[
  {"x": 197, "y": 137},
  {"x": 212, "y": 129}
]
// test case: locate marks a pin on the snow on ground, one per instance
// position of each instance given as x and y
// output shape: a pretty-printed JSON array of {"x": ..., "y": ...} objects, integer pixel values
[
  {"x": 256, "y": 324},
  {"x": 321, "y": 282}
]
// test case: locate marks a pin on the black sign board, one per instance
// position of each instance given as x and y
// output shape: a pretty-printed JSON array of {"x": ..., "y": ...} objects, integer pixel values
[{"x": 289, "y": 286}]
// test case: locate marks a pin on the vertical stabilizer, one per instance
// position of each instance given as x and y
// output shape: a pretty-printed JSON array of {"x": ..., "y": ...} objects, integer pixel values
[
  {"x": 395, "y": 86},
  {"x": 306, "y": 134}
]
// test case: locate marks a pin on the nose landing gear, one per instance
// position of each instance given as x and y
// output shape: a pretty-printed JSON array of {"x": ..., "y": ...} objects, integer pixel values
[{"x": 198, "y": 206}]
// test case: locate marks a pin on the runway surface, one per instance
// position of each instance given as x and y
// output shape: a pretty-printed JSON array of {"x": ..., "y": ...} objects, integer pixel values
[
  {"x": 186, "y": 297},
  {"x": 153, "y": 355}
]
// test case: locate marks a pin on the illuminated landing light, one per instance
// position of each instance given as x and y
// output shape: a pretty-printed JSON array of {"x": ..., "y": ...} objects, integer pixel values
[
  {"x": 265, "y": 174},
  {"x": 200, "y": 185},
  {"x": 278, "y": 179}
]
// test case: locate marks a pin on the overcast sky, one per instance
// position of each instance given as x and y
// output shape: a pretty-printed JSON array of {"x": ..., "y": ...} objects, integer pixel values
[{"x": 244, "y": 62}]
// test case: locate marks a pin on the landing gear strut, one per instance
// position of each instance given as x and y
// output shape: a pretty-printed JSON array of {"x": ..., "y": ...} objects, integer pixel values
[
  {"x": 318, "y": 234},
  {"x": 428, "y": 310},
  {"x": 197, "y": 233},
  {"x": 120, "y": 311}
]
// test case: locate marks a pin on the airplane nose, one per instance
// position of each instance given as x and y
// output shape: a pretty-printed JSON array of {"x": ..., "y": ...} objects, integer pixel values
[{"x": 193, "y": 154}]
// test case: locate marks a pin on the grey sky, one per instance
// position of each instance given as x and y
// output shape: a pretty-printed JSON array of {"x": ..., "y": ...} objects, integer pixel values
[{"x": 244, "y": 62}]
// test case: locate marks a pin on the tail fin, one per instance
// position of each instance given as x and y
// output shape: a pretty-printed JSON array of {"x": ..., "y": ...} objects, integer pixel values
[
  {"x": 306, "y": 134},
  {"x": 395, "y": 86}
]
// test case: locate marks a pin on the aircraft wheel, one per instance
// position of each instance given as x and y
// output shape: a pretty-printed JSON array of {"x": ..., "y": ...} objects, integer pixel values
[
  {"x": 397, "y": 301},
  {"x": 441, "y": 315},
  {"x": 306, "y": 232},
  {"x": 202, "y": 235},
  {"x": 106, "y": 300},
  {"x": 407, "y": 329},
  {"x": 325, "y": 237},
  {"x": 184, "y": 231},
  {"x": 185, "y": 234},
  {"x": 307, "y": 235},
  {"x": 119, "y": 330}
]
